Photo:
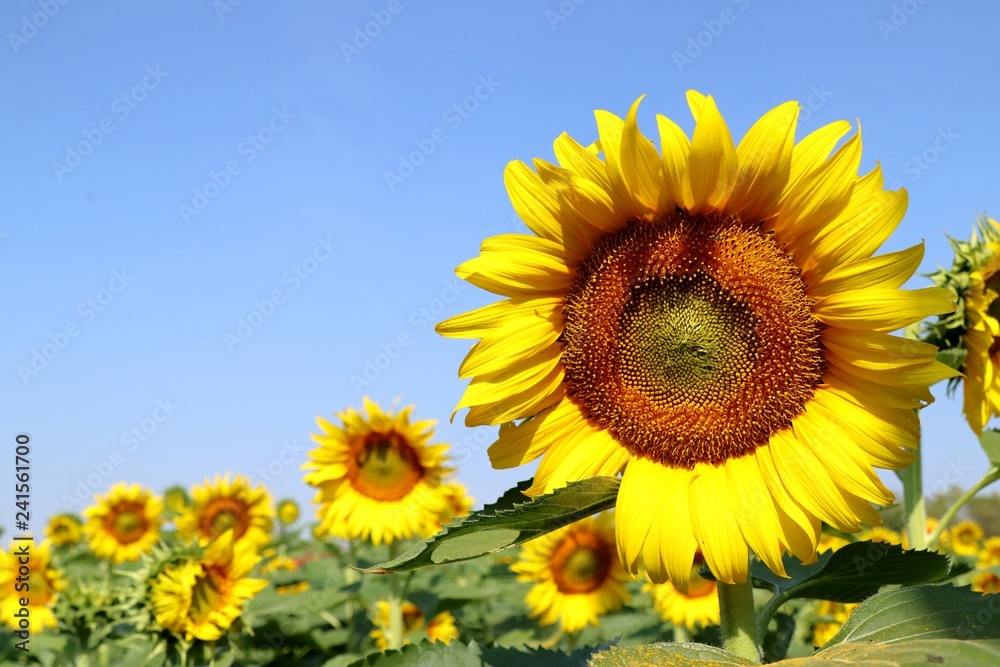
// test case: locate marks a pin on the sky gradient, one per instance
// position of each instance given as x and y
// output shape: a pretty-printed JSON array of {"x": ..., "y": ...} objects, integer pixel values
[{"x": 222, "y": 219}]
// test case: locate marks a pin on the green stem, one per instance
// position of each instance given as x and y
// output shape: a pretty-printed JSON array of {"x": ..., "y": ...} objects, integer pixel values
[
  {"x": 394, "y": 634},
  {"x": 739, "y": 635},
  {"x": 913, "y": 502},
  {"x": 992, "y": 475},
  {"x": 681, "y": 634}
]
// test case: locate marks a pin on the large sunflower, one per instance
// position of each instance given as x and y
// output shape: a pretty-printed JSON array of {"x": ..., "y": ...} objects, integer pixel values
[
  {"x": 378, "y": 476},
  {"x": 576, "y": 574},
  {"x": 712, "y": 320},
  {"x": 124, "y": 523},
  {"x": 201, "y": 598},
  {"x": 699, "y": 607},
  {"x": 220, "y": 505},
  {"x": 43, "y": 585}
]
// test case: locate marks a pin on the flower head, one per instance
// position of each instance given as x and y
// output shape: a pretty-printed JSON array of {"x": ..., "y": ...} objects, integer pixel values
[
  {"x": 965, "y": 537},
  {"x": 64, "y": 530},
  {"x": 44, "y": 583},
  {"x": 698, "y": 607},
  {"x": 440, "y": 629},
  {"x": 288, "y": 511},
  {"x": 711, "y": 319},
  {"x": 124, "y": 523},
  {"x": 224, "y": 504}
]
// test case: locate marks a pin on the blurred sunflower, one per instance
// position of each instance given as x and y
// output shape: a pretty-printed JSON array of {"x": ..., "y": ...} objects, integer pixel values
[
  {"x": 699, "y": 607},
  {"x": 830, "y": 542},
  {"x": 459, "y": 504},
  {"x": 220, "y": 505},
  {"x": 711, "y": 320},
  {"x": 44, "y": 583},
  {"x": 965, "y": 537},
  {"x": 64, "y": 530},
  {"x": 288, "y": 511},
  {"x": 378, "y": 476},
  {"x": 881, "y": 534},
  {"x": 576, "y": 574},
  {"x": 201, "y": 598},
  {"x": 972, "y": 333},
  {"x": 441, "y": 628},
  {"x": 838, "y": 613},
  {"x": 278, "y": 564},
  {"x": 986, "y": 582},
  {"x": 125, "y": 523},
  {"x": 989, "y": 555},
  {"x": 176, "y": 499}
]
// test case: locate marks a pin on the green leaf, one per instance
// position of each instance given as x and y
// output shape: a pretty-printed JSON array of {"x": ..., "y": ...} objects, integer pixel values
[
  {"x": 658, "y": 655},
  {"x": 990, "y": 442},
  {"x": 923, "y": 652},
  {"x": 513, "y": 519},
  {"x": 849, "y": 574},
  {"x": 923, "y": 612},
  {"x": 953, "y": 357},
  {"x": 456, "y": 654}
]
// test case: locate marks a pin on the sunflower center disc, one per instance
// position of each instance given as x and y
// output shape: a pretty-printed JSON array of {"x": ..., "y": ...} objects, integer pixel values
[
  {"x": 580, "y": 563},
  {"x": 223, "y": 514},
  {"x": 385, "y": 467},
  {"x": 691, "y": 339},
  {"x": 128, "y": 525}
]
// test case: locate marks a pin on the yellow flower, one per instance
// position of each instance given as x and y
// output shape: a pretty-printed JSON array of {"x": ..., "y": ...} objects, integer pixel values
[
  {"x": 576, "y": 574},
  {"x": 825, "y": 630},
  {"x": 125, "y": 523},
  {"x": 881, "y": 534},
  {"x": 288, "y": 511},
  {"x": 378, "y": 476},
  {"x": 712, "y": 321},
  {"x": 698, "y": 607},
  {"x": 284, "y": 564},
  {"x": 220, "y": 505},
  {"x": 986, "y": 582},
  {"x": 64, "y": 530},
  {"x": 176, "y": 499},
  {"x": 440, "y": 629},
  {"x": 33, "y": 578},
  {"x": 459, "y": 504},
  {"x": 990, "y": 554},
  {"x": 965, "y": 538},
  {"x": 828, "y": 542},
  {"x": 200, "y": 599}
]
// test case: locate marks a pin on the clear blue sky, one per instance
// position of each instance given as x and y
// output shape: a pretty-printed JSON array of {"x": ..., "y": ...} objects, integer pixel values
[{"x": 277, "y": 129}]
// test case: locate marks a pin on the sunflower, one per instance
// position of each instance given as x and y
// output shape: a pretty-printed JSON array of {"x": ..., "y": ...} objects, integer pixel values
[
  {"x": 712, "y": 321},
  {"x": 576, "y": 575},
  {"x": 64, "y": 530},
  {"x": 176, "y": 499},
  {"x": 441, "y": 628},
  {"x": 974, "y": 330},
  {"x": 986, "y": 582},
  {"x": 125, "y": 522},
  {"x": 220, "y": 505},
  {"x": 965, "y": 537},
  {"x": 838, "y": 613},
  {"x": 990, "y": 553},
  {"x": 378, "y": 476},
  {"x": 279, "y": 564},
  {"x": 881, "y": 534},
  {"x": 44, "y": 583},
  {"x": 830, "y": 542},
  {"x": 698, "y": 607},
  {"x": 288, "y": 511},
  {"x": 201, "y": 598}
]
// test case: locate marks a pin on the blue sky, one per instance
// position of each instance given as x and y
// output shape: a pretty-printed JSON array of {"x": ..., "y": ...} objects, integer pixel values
[{"x": 215, "y": 215}]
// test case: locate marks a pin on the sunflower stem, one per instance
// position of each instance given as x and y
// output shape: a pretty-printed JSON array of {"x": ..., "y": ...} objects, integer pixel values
[
  {"x": 992, "y": 475},
  {"x": 913, "y": 502},
  {"x": 681, "y": 634},
  {"x": 739, "y": 635},
  {"x": 394, "y": 634}
]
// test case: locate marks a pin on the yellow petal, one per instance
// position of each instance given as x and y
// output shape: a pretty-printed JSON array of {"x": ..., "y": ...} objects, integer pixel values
[
  {"x": 522, "y": 443},
  {"x": 610, "y": 128},
  {"x": 640, "y": 162},
  {"x": 676, "y": 147},
  {"x": 765, "y": 160},
  {"x": 882, "y": 309},
  {"x": 714, "y": 522},
  {"x": 753, "y": 506},
  {"x": 887, "y": 271},
  {"x": 712, "y": 162}
]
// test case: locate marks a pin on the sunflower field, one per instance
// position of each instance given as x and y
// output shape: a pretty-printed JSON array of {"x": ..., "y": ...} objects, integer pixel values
[{"x": 698, "y": 340}]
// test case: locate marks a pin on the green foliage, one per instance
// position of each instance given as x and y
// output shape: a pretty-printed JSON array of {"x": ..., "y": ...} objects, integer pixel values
[{"x": 511, "y": 520}]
